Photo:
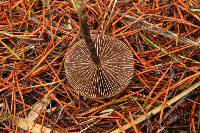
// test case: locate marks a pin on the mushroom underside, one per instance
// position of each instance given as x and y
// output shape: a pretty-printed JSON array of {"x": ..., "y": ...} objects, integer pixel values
[{"x": 109, "y": 78}]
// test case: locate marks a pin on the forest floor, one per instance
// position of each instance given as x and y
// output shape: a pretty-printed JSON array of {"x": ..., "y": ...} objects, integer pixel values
[{"x": 163, "y": 95}]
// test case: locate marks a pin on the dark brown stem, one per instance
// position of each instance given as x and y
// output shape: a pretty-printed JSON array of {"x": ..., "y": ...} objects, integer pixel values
[{"x": 86, "y": 33}]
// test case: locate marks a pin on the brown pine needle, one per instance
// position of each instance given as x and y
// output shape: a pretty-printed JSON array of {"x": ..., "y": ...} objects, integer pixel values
[{"x": 158, "y": 109}]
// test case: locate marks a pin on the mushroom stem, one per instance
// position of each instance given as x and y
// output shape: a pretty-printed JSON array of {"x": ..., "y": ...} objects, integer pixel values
[{"x": 86, "y": 33}]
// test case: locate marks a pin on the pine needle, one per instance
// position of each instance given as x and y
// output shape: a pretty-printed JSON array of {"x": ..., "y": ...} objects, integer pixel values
[{"x": 161, "y": 49}]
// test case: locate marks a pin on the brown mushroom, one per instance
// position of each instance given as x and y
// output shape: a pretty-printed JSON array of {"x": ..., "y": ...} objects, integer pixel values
[
  {"x": 97, "y": 66},
  {"x": 99, "y": 81}
]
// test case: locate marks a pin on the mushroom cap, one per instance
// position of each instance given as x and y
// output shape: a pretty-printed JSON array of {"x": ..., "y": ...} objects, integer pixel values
[{"x": 106, "y": 80}]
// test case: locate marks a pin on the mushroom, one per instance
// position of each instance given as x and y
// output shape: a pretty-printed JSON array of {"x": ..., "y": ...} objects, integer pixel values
[
  {"x": 109, "y": 78},
  {"x": 98, "y": 66}
]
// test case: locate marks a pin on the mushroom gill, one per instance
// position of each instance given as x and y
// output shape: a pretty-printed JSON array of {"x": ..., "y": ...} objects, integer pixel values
[{"x": 110, "y": 77}]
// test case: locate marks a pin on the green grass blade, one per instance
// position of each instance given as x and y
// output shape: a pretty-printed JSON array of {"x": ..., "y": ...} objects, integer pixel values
[
  {"x": 195, "y": 9},
  {"x": 161, "y": 49},
  {"x": 186, "y": 58},
  {"x": 11, "y": 51}
]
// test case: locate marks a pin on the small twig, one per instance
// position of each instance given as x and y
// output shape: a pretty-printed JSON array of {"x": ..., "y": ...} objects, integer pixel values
[{"x": 157, "y": 30}]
